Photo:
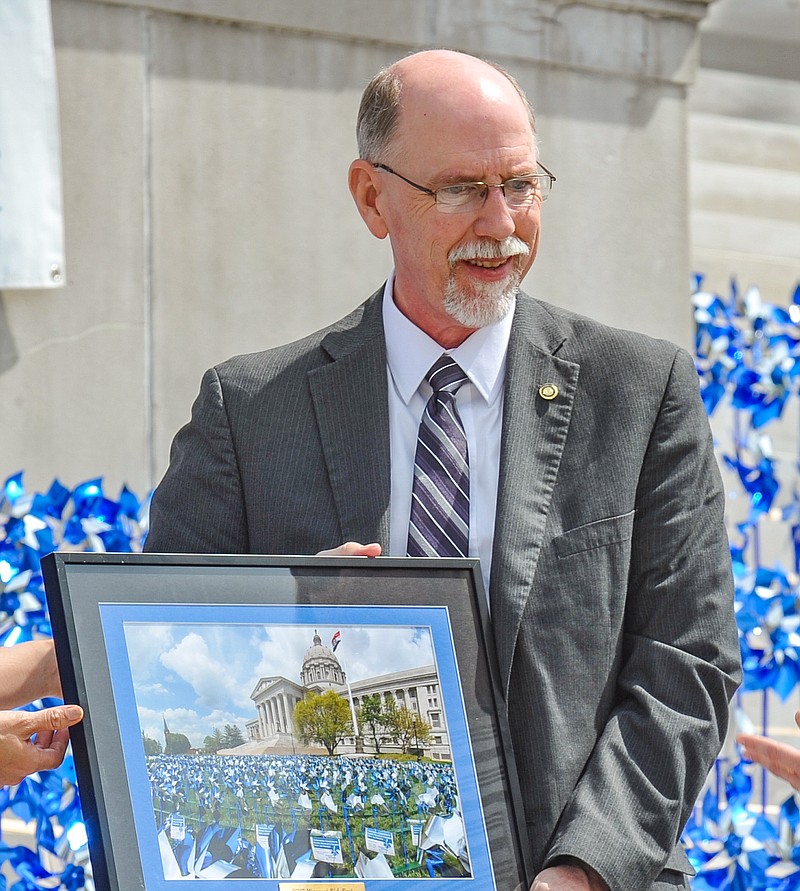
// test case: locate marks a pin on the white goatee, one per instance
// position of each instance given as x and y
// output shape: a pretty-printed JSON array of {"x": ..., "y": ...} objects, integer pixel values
[{"x": 484, "y": 303}]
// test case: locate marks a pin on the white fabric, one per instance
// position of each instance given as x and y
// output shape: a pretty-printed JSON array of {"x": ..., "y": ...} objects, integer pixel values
[
  {"x": 410, "y": 353},
  {"x": 31, "y": 215}
]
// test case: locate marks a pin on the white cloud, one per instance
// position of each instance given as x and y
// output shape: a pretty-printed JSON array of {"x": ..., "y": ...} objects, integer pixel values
[
  {"x": 146, "y": 642},
  {"x": 152, "y": 689},
  {"x": 211, "y": 680},
  {"x": 282, "y": 654},
  {"x": 380, "y": 649}
]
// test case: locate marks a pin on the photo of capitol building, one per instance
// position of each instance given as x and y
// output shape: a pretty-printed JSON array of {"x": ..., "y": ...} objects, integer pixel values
[{"x": 275, "y": 699}]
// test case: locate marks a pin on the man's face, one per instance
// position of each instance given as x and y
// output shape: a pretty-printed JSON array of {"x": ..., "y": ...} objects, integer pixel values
[{"x": 459, "y": 271}]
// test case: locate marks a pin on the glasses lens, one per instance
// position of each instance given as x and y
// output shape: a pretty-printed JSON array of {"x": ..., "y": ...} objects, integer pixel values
[
  {"x": 518, "y": 192},
  {"x": 545, "y": 182},
  {"x": 460, "y": 197},
  {"x": 522, "y": 191}
]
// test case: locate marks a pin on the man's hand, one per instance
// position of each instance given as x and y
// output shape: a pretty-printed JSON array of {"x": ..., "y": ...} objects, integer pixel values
[
  {"x": 568, "y": 877},
  {"x": 353, "y": 549},
  {"x": 31, "y": 741},
  {"x": 778, "y": 758}
]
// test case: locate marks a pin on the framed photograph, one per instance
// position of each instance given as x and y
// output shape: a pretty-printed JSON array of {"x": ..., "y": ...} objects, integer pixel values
[{"x": 309, "y": 722}]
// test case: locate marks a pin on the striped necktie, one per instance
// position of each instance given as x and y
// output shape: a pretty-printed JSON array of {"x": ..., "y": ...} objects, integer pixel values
[{"x": 439, "y": 525}]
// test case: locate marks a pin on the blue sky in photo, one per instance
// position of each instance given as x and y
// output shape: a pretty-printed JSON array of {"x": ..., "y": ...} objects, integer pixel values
[{"x": 200, "y": 676}]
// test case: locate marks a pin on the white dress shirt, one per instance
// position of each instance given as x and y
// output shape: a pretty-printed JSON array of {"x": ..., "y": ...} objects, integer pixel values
[{"x": 410, "y": 354}]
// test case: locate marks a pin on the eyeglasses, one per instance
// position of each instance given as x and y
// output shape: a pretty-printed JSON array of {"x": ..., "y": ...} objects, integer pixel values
[{"x": 519, "y": 191}]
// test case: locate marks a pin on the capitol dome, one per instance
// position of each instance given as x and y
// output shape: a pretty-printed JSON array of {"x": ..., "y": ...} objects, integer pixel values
[{"x": 321, "y": 669}]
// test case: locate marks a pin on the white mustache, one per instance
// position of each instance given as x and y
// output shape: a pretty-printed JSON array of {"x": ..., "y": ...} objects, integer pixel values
[{"x": 489, "y": 249}]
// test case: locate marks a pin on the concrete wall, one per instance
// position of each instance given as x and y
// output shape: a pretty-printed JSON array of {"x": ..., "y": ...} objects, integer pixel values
[
  {"x": 744, "y": 162},
  {"x": 744, "y": 148},
  {"x": 205, "y": 147},
  {"x": 744, "y": 154}
]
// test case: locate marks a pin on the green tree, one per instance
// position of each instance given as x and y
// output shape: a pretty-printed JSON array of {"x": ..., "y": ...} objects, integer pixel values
[
  {"x": 214, "y": 741},
  {"x": 177, "y": 744},
  {"x": 232, "y": 736},
  {"x": 391, "y": 716},
  {"x": 371, "y": 716},
  {"x": 323, "y": 718},
  {"x": 409, "y": 728},
  {"x": 421, "y": 730},
  {"x": 151, "y": 746}
]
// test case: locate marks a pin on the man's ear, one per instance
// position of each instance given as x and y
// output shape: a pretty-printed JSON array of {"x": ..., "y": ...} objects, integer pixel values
[{"x": 365, "y": 187}]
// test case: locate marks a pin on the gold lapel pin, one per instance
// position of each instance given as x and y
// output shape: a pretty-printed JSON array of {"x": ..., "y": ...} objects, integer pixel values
[{"x": 548, "y": 391}]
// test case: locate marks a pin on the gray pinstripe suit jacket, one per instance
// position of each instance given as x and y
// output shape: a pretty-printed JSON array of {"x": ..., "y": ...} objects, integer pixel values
[{"x": 611, "y": 592}]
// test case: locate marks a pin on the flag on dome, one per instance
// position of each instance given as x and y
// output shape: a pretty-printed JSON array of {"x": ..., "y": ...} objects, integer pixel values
[{"x": 336, "y": 640}]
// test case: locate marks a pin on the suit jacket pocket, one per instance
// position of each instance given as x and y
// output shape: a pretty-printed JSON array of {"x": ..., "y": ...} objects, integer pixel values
[{"x": 598, "y": 534}]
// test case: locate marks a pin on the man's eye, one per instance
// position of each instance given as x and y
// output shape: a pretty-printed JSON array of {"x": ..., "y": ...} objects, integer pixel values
[
  {"x": 459, "y": 191},
  {"x": 520, "y": 188}
]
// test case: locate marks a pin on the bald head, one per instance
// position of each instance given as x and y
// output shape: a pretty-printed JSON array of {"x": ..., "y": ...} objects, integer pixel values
[
  {"x": 431, "y": 84},
  {"x": 429, "y": 125}
]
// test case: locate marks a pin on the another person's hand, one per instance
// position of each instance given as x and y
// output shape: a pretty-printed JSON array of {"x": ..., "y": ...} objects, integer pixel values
[
  {"x": 32, "y": 741},
  {"x": 781, "y": 759},
  {"x": 353, "y": 549},
  {"x": 28, "y": 672},
  {"x": 568, "y": 877}
]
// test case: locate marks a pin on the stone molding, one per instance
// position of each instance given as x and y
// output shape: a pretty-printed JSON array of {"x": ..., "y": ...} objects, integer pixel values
[
  {"x": 651, "y": 39},
  {"x": 315, "y": 16},
  {"x": 683, "y": 10}
]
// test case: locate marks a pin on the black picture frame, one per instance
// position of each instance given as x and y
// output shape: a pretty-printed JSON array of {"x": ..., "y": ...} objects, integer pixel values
[{"x": 130, "y": 628}]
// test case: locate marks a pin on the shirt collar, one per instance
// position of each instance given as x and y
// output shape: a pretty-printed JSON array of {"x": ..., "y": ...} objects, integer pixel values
[{"x": 410, "y": 352}]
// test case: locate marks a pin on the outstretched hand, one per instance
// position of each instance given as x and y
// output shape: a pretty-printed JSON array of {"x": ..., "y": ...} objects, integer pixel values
[
  {"x": 32, "y": 741},
  {"x": 781, "y": 759}
]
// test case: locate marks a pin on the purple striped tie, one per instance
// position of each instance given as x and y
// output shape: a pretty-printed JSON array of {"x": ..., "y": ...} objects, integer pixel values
[{"x": 439, "y": 524}]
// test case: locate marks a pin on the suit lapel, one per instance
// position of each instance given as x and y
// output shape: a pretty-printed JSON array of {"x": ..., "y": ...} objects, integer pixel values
[
  {"x": 351, "y": 405},
  {"x": 350, "y": 401},
  {"x": 534, "y": 433}
]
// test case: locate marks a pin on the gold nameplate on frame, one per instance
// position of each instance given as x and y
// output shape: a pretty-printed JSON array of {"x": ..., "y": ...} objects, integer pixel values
[{"x": 316, "y": 886}]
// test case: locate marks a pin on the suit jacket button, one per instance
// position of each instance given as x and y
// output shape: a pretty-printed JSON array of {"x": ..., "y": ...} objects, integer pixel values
[{"x": 548, "y": 391}]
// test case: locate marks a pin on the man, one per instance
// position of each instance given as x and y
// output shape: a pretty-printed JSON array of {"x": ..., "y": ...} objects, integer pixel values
[
  {"x": 31, "y": 741},
  {"x": 594, "y": 502}
]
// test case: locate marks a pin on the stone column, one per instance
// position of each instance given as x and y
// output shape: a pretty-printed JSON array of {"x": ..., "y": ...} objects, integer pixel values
[
  {"x": 287, "y": 708},
  {"x": 262, "y": 719},
  {"x": 276, "y": 717},
  {"x": 269, "y": 715}
]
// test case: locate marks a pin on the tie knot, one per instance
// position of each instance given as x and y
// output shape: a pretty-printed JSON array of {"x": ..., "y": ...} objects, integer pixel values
[{"x": 445, "y": 375}]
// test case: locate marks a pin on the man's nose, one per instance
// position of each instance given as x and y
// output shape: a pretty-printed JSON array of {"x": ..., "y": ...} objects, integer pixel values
[{"x": 494, "y": 219}]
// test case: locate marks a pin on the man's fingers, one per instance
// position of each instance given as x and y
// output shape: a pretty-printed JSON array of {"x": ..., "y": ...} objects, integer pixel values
[
  {"x": 353, "y": 549},
  {"x": 57, "y": 718}
]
